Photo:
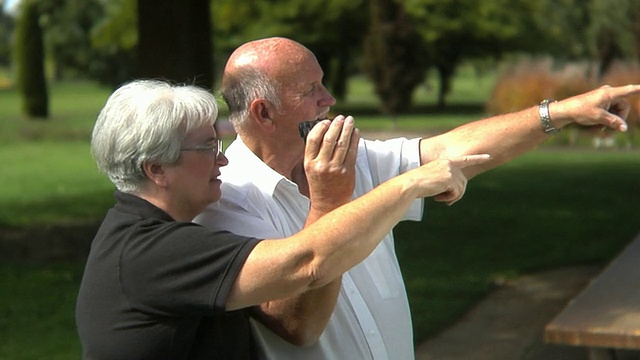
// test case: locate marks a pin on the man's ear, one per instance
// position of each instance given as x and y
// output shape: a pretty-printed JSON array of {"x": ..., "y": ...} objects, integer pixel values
[
  {"x": 155, "y": 173},
  {"x": 262, "y": 114}
]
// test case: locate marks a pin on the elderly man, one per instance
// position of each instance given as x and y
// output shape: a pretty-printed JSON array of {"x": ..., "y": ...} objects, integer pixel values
[
  {"x": 157, "y": 286},
  {"x": 273, "y": 84}
]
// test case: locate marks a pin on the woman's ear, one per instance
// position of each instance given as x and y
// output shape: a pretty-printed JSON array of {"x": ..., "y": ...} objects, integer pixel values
[
  {"x": 262, "y": 112},
  {"x": 155, "y": 173}
]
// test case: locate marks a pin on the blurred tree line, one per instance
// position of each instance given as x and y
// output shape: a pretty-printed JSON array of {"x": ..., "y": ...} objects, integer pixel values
[{"x": 394, "y": 42}]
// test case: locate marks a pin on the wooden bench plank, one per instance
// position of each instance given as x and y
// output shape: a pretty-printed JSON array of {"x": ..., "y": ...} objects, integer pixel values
[{"x": 606, "y": 314}]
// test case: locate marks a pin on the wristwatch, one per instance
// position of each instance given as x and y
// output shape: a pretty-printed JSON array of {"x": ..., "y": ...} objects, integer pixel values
[{"x": 545, "y": 118}]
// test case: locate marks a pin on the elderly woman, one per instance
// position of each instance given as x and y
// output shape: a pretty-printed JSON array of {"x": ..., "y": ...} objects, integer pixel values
[{"x": 158, "y": 286}]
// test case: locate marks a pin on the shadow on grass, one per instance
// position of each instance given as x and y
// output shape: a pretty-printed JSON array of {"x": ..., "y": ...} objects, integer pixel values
[
  {"x": 46, "y": 244},
  {"x": 63, "y": 230}
]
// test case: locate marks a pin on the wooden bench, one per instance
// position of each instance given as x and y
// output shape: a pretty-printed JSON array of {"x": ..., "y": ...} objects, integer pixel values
[{"x": 605, "y": 316}]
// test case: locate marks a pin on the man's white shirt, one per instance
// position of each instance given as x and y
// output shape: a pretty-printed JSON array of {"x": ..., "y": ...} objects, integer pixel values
[{"x": 371, "y": 319}]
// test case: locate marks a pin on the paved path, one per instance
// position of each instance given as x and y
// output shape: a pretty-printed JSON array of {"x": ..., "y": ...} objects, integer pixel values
[{"x": 509, "y": 323}]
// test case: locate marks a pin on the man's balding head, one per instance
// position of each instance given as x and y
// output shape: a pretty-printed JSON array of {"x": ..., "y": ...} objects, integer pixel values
[
  {"x": 270, "y": 55},
  {"x": 259, "y": 70}
]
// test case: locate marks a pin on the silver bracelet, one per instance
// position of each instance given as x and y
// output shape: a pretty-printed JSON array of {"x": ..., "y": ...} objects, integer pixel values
[{"x": 545, "y": 118}]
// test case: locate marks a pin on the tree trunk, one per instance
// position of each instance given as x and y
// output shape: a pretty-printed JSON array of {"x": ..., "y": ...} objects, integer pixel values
[
  {"x": 174, "y": 41},
  {"x": 445, "y": 74},
  {"x": 395, "y": 57}
]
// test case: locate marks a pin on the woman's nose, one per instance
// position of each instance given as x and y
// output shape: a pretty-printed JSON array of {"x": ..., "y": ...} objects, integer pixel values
[{"x": 222, "y": 160}]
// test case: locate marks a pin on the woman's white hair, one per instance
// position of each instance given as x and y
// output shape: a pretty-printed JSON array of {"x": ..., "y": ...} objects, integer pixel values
[{"x": 147, "y": 120}]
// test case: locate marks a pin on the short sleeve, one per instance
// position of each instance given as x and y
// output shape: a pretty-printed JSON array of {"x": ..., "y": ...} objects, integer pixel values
[
  {"x": 383, "y": 160},
  {"x": 181, "y": 268}
]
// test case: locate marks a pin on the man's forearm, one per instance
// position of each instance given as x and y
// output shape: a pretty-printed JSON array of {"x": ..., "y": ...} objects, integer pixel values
[
  {"x": 504, "y": 137},
  {"x": 301, "y": 319}
]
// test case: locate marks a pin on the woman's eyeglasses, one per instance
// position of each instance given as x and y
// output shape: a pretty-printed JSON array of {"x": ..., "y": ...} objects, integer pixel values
[{"x": 215, "y": 148}]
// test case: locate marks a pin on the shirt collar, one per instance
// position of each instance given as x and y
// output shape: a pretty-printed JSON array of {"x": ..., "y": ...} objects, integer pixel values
[
  {"x": 135, "y": 205},
  {"x": 241, "y": 156}
]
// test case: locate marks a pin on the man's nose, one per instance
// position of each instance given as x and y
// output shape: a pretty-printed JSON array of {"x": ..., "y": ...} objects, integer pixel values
[{"x": 327, "y": 99}]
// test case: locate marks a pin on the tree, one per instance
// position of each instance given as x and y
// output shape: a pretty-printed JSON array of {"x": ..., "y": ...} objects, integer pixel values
[
  {"x": 611, "y": 32},
  {"x": 635, "y": 28},
  {"x": 394, "y": 55},
  {"x": 332, "y": 29},
  {"x": 114, "y": 39},
  {"x": 29, "y": 52},
  {"x": 456, "y": 30},
  {"x": 67, "y": 24},
  {"x": 174, "y": 41},
  {"x": 70, "y": 28}
]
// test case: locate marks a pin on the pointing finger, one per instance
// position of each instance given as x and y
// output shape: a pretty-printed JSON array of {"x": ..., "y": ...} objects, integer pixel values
[{"x": 625, "y": 90}]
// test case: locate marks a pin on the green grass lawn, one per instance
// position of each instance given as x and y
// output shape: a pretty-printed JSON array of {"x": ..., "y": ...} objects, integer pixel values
[
  {"x": 48, "y": 174},
  {"x": 554, "y": 207}
]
